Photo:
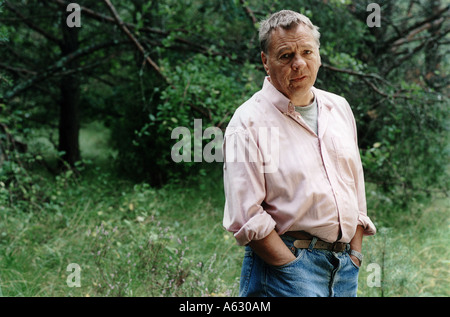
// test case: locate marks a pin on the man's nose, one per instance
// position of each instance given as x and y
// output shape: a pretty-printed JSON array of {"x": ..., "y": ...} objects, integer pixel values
[{"x": 298, "y": 62}]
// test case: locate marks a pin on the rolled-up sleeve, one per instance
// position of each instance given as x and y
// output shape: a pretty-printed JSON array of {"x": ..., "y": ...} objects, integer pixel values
[
  {"x": 363, "y": 219},
  {"x": 244, "y": 187},
  {"x": 367, "y": 224}
]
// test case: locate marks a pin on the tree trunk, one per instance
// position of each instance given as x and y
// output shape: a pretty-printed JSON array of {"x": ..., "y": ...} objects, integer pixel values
[{"x": 69, "y": 120}]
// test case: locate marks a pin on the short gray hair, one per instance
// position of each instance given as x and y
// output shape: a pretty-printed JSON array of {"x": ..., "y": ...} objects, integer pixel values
[{"x": 285, "y": 19}]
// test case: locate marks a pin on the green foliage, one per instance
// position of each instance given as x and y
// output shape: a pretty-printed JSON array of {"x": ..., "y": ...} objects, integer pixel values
[
  {"x": 209, "y": 52},
  {"x": 204, "y": 88},
  {"x": 139, "y": 242},
  {"x": 4, "y": 80},
  {"x": 143, "y": 241},
  {"x": 409, "y": 249},
  {"x": 403, "y": 162},
  {"x": 139, "y": 150}
]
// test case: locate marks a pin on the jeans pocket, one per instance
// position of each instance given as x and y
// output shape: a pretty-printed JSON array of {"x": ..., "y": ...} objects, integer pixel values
[
  {"x": 353, "y": 263},
  {"x": 299, "y": 255}
]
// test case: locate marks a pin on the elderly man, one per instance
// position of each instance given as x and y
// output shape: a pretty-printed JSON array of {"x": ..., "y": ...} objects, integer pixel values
[{"x": 303, "y": 222}]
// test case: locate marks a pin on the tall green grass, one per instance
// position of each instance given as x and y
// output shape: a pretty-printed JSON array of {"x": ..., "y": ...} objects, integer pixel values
[
  {"x": 412, "y": 251},
  {"x": 134, "y": 240},
  {"x": 129, "y": 240}
]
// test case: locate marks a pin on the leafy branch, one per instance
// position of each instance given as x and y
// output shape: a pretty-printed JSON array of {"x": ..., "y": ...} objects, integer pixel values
[{"x": 125, "y": 29}]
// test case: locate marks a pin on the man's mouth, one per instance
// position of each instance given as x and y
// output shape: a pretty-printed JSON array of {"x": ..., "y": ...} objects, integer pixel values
[{"x": 298, "y": 79}]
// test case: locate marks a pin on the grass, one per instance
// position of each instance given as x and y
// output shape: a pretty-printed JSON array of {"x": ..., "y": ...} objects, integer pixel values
[
  {"x": 413, "y": 254},
  {"x": 134, "y": 240},
  {"x": 137, "y": 230}
]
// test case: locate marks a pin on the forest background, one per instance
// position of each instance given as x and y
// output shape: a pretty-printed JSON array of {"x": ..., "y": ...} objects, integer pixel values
[{"x": 91, "y": 202}]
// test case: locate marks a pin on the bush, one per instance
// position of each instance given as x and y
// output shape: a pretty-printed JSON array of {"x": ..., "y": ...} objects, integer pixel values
[
  {"x": 203, "y": 88},
  {"x": 408, "y": 159}
]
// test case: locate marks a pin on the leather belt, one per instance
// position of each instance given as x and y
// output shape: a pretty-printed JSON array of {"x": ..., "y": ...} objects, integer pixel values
[
  {"x": 336, "y": 246},
  {"x": 304, "y": 240}
]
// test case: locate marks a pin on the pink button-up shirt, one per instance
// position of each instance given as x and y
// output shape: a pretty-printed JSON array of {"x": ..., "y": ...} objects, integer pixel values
[{"x": 290, "y": 178}]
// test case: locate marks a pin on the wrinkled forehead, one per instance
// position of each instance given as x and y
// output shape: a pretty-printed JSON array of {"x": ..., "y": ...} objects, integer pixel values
[{"x": 298, "y": 35}]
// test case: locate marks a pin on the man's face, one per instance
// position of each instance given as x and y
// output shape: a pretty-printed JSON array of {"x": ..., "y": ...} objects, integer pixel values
[{"x": 292, "y": 62}]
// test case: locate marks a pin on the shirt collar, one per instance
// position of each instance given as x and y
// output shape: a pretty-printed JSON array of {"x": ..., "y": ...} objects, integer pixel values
[{"x": 280, "y": 101}]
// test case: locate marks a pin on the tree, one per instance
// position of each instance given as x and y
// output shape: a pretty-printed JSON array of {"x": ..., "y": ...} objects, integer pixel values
[
  {"x": 146, "y": 67},
  {"x": 50, "y": 64},
  {"x": 69, "y": 120}
]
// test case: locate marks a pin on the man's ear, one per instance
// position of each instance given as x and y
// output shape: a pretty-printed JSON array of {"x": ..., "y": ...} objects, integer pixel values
[{"x": 264, "y": 61}]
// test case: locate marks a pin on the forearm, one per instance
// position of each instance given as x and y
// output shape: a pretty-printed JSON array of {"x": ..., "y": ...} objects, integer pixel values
[
  {"x": 356, "y": 243},
  {"x": 272, "y": 250}
]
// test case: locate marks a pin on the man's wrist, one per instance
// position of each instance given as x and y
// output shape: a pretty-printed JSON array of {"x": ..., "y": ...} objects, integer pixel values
[
  {"x": 356, "y": 245},
  {"x": 357, "y": 255},
  {"x": 272, "y": 250}
]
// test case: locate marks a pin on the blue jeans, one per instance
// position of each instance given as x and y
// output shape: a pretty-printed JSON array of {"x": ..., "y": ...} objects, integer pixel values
[{"x": 313, "y": 273}]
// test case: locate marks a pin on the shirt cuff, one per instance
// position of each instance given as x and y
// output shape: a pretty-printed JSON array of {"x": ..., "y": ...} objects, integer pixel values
[
  {"x": 257, "y": 228},
  {"x": 367, "y": 224}
]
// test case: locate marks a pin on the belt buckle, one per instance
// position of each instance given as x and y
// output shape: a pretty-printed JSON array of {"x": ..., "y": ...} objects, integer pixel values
[{"x": 334, "y": 246}]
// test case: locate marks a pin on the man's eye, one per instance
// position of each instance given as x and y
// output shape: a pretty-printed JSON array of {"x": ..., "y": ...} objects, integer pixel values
[
  {"x": 308, "y": 52},
  {"x": 285, "y": 56}
]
